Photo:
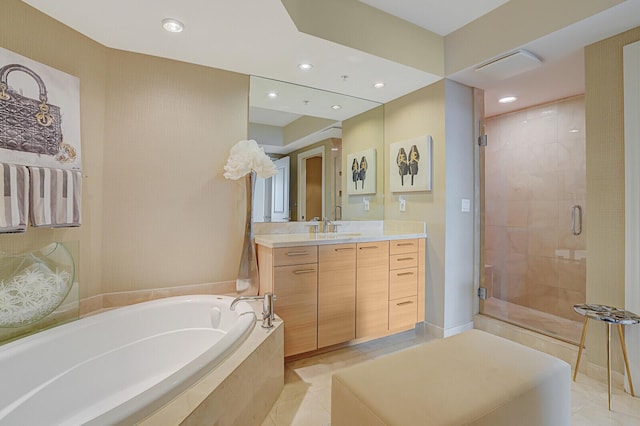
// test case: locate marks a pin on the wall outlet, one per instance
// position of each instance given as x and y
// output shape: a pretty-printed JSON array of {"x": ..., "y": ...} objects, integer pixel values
[
  {"x": 365, "y": 204},
  {"x": 466, "y": 205},
  {"x": 403, "y": 204}
]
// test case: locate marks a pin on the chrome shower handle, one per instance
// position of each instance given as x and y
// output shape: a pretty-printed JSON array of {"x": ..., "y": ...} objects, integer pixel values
[{"x": 576, "y": 226}]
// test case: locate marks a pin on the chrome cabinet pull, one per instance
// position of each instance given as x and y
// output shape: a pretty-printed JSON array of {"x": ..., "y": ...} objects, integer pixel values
[
  {"x": 404, "y": 273},
  {"x": 297, "y": 253},
  {"x": 404, "y": 244},
  {"x": 304, "y": 271},
  {"x": 368, "y": 247},
  {"x": 343, "y": 248},
  {"x": 404, "y": 258},
  {"x": 408, "y": 302},
  {"x": 576, "y": 225}
]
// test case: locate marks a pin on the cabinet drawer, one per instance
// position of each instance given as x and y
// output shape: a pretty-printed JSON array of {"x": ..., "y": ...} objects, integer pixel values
[
  {"x": 295, "y": 255},
  {"x": 403, "y": 283},
  {"x": 401, "y": 261},
  {"x": 403, "y": 246},
  {"x": 403, "y": 312}
]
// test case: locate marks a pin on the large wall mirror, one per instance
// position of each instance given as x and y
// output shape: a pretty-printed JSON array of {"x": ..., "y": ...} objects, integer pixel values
[{"x": 311, "y": 134}]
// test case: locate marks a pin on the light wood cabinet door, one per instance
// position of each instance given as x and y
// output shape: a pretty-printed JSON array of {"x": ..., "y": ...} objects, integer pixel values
[
  {"x": 336, "y": 294},
  {"x": 296, "y": 289},
  {"x": 372, "y": 289}
]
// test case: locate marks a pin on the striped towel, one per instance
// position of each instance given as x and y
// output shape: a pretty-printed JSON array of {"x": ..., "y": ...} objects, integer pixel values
[
  {"x": 55, "y": 197},
  {"x": 14, "y": 203}
]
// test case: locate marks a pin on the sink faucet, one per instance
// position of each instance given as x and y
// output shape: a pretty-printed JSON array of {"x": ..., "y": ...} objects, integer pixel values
[
  {"x": 267, "y": 307},
  {"x": 326, "y": 224}
]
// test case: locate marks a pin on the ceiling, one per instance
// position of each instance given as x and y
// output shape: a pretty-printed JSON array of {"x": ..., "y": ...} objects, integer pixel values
[{"x": 257, "y": 37}]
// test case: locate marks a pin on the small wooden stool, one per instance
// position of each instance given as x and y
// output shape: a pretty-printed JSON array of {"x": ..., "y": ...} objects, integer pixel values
[{"x": 609, "y": 315}]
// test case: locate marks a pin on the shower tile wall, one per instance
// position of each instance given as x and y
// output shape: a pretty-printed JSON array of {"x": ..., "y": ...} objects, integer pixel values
[{"x": 535, "y": 171}]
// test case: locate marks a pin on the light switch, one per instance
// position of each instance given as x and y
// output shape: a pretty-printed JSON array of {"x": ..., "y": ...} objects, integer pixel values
[
  {"x": 466, "y": 205},
  {"x": 403, "y": 204},
  {"x": 365, "y": 204}
]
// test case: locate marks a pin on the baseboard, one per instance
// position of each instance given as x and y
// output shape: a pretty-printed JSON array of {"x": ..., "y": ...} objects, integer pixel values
[{"x": 439, "y": 332}]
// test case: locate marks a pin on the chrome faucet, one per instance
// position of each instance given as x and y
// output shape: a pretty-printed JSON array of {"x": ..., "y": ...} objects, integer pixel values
[
  {"x": 326, "y": 224},
  {"x": 267, "y": 307}
]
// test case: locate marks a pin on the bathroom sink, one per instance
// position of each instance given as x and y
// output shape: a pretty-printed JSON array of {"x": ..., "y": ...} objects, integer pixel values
[{"x": 336, "y": 235}]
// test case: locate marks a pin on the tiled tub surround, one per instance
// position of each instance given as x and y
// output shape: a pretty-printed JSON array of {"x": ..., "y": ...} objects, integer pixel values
[
  {"x": 213, "y": 382},
  {"x": 535, "y": 171}
]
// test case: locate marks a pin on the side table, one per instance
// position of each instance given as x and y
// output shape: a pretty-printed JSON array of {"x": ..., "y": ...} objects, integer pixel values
[{"x": 608, "y": 315}]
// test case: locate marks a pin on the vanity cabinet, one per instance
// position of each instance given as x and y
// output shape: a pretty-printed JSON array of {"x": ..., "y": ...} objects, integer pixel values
[
  {"x": 328, "y": 294},
  {"x": 403, "y": 283},
  {"x": 336, "y": 294},
  {"x": 372, "y": 289},
  {"x": 293, "y": 278}
]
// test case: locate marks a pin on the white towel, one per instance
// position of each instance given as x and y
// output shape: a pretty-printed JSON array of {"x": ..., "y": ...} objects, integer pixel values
[
  {"x": 14, "y": 203},
  {"x": 55, "y": 197}
]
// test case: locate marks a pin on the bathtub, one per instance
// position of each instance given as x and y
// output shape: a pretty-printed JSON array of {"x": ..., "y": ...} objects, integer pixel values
[{"x": 118, "y": 366}]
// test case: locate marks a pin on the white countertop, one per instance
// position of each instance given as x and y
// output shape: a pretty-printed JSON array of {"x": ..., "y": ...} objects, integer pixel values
[{"x": 309, "y": 238}]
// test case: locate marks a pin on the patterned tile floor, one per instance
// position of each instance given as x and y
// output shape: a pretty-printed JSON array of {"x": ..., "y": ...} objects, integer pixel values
[{"x": 306, "y": 397}]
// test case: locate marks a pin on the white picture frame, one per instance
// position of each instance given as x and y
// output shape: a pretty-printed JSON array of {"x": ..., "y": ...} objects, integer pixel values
[
  {"x": 63, "y": 91},
  {"x": 410, "y": 165},
  {"x": 361, "y": 172}
]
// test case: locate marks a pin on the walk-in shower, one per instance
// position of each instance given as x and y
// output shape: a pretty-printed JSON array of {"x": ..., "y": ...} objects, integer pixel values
[{"x": 534, "y": 217}]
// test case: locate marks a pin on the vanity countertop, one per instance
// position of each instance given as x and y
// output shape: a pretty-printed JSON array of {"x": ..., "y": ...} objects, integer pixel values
[{"x": 309, "y": 238}]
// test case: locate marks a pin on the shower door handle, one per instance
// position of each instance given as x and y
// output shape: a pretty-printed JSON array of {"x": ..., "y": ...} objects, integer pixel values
[{"x": 576, "y": 220}]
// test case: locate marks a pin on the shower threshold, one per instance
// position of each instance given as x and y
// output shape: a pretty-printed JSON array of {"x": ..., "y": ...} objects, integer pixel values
[{"x": 531, "y": 319}]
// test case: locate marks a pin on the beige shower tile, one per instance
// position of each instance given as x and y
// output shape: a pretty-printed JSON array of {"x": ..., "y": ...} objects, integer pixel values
[
  {"x": 518, "y": 240},
  {"x": 495, "y": 238},
  {"x": 517, "y": 213},
  {"x": 544, "y": 185},
  {"x": 566, "y": 300},
  {"x": 517, "y": 186},
  {"x": 542, "y": 242},
  {"x": 572, "y": 154},
  {"x": 543, "y": 157},
  {"x": 516, "y": 267},
  {"x": 495, "y": 212},
  {"x": 571, "y": 117},
  {"x": 542, "y": 271},
  {"x": 572, "y": 274},
  {"x": 543, "y": 214}
]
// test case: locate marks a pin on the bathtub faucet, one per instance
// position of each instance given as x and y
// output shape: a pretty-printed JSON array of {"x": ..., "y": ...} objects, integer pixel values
[{"x": 267, "y": 307}]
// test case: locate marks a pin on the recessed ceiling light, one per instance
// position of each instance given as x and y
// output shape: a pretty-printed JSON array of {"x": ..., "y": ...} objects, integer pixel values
[
  {"x": 336, "y": 106},
  {"x": 305, "y": 66},
  {"x": 507, "y": 99},
  {"x": 378, "y": 85},
  {"x": 574, "y": 131},
  {"x": 272, "y": 95},
  {"x": 172, "y": 25}
]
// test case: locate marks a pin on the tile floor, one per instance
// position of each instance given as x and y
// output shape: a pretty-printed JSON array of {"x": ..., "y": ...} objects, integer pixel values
[{"x": 306, "y": 397}]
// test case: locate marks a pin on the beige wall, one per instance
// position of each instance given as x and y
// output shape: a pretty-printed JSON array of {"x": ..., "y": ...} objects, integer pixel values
[
  {"x": 170, "y": 217},
  {"x": 416, "y": 114},
  {"x": 605, "y": 179},
  {"x": 155, "y": 135},
  {"x": 360, "y": 133}
]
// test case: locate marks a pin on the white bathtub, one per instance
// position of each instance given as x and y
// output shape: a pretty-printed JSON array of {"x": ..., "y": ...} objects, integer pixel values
[{"x": 118, "y": 366}]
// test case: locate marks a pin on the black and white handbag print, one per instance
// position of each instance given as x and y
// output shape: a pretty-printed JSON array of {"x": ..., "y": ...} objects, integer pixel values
[{"x": 28, "y": 125}]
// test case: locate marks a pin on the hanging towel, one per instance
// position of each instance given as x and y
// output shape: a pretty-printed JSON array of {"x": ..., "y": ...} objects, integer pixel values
[
  {"x": 14, "y": 203},
  {"x": 55, "y": 197}
]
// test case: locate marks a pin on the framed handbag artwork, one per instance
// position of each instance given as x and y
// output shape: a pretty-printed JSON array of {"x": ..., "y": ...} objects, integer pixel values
[
  {"x": 361, "y": 172},
  {"x": 39, "y": 114},
  {"x": 410, "y": 165}
]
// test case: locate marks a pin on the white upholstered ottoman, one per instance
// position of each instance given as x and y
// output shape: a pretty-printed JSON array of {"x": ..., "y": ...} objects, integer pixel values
[{"x": 473, "y": 378}]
